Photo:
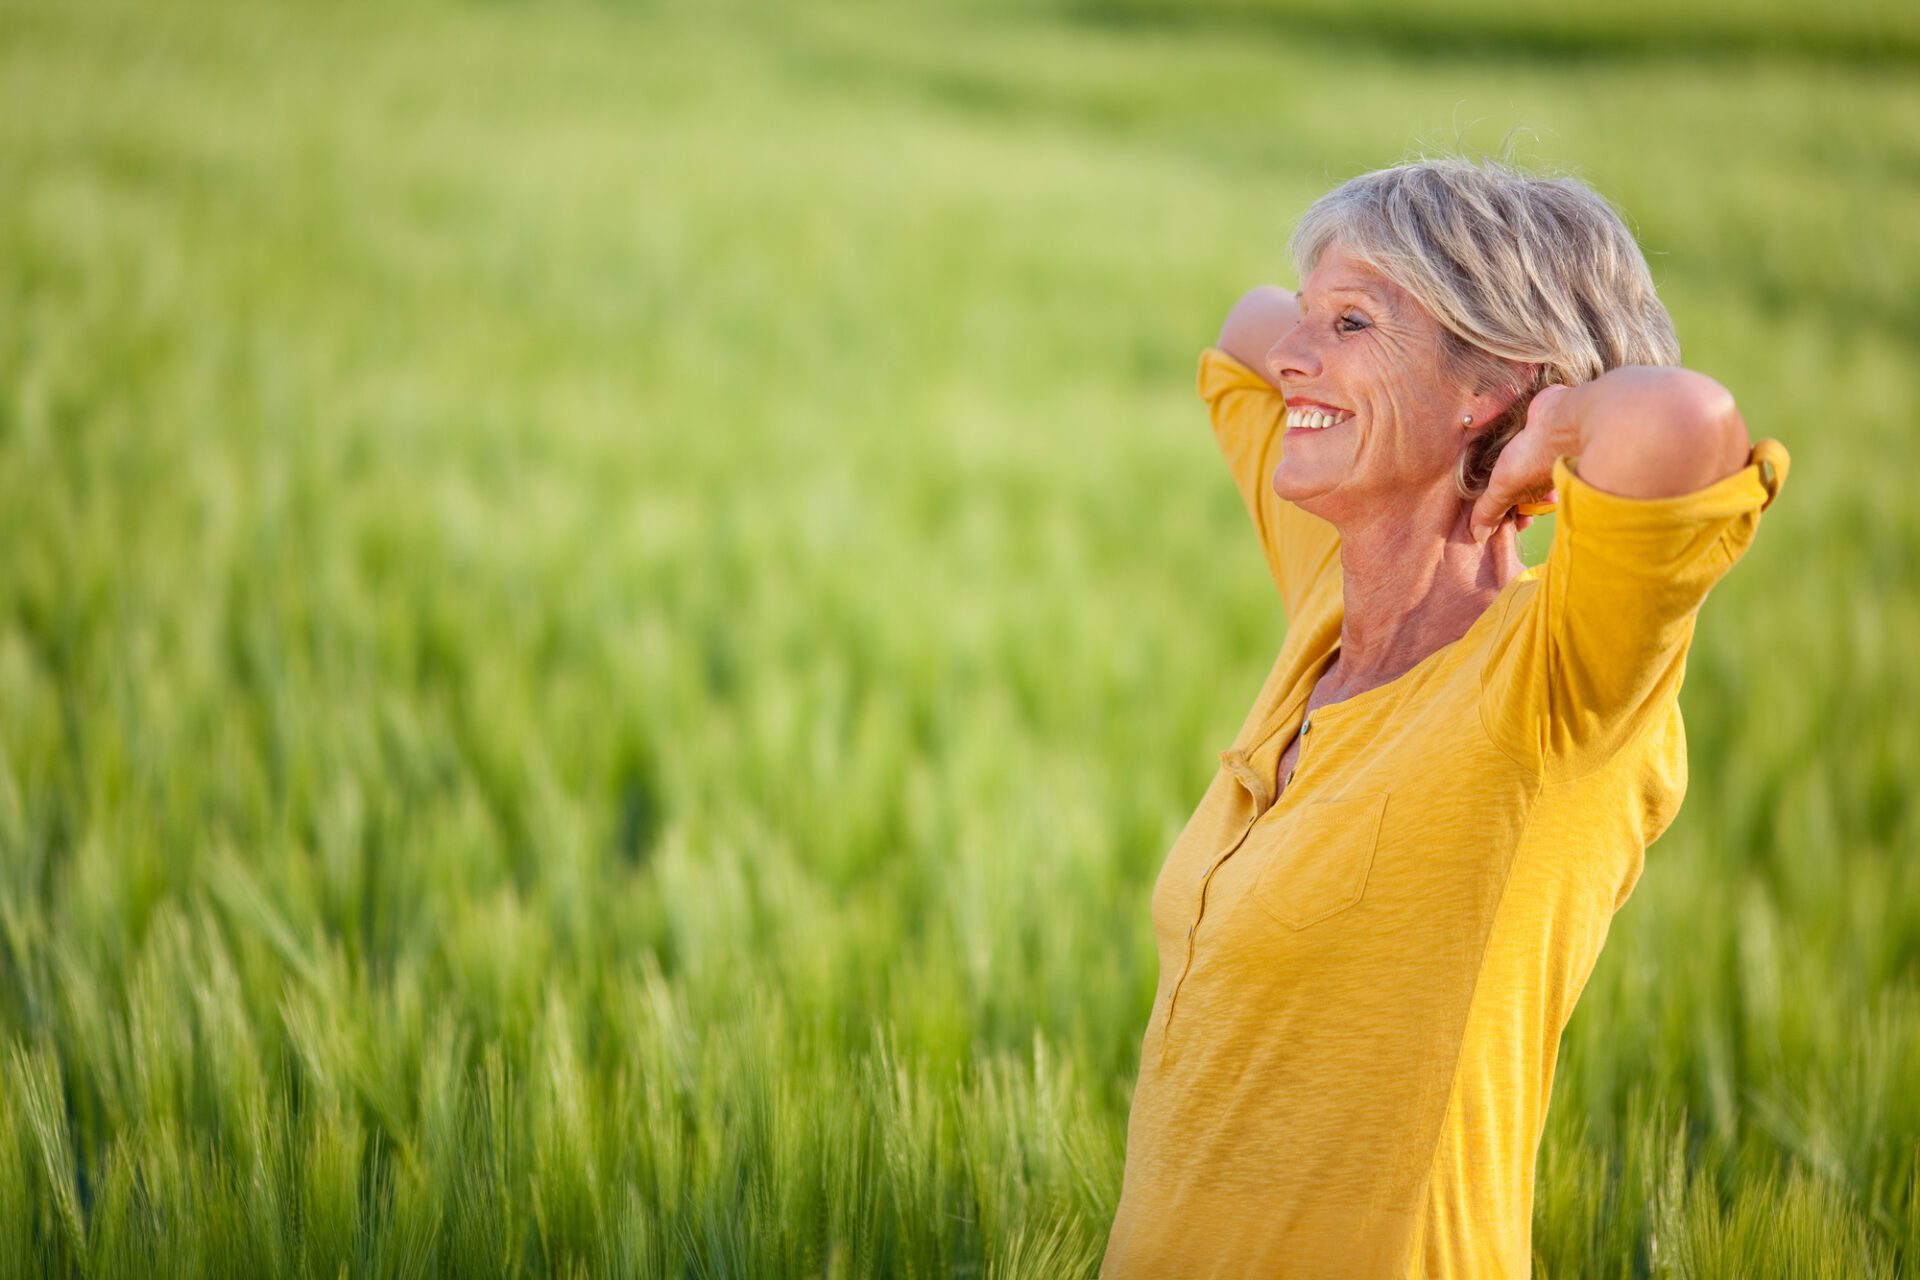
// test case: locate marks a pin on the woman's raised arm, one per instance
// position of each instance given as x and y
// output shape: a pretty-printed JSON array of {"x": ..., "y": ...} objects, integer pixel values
[
  {"x": 1639, "y": 431},
  {"x": 1248, "y": 415},
  {"x": 1255, "y": 323},
  {"x": 1661, "y": 492}
]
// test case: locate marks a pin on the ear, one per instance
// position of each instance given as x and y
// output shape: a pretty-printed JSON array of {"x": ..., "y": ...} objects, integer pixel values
[{"x": 1493, "y": 402}]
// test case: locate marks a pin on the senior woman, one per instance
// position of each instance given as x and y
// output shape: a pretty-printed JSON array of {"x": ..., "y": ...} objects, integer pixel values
[{"x": 1374, "y": 928}]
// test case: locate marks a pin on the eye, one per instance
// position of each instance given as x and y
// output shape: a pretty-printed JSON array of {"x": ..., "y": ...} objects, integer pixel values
[{"x": 1352, "y": 322}]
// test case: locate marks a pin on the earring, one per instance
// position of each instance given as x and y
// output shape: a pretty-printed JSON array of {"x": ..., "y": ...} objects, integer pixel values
[{"x": 1466, "y": 420}]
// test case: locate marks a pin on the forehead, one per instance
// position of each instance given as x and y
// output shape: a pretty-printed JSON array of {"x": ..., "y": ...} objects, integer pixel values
[{"x": 1339, "y": 274}]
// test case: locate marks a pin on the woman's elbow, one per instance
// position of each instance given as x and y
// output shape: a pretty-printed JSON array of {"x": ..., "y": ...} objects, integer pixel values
[
  {"x": 1659, "y": 432},
  {"x": 1706, "y": 411},
  {"x": 1256, "y": 321}
]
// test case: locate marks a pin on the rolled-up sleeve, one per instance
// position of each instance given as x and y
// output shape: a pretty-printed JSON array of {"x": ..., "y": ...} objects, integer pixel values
[
  {"x": 1248, "y": 424},
  {"x": 1603, "y": 639}
]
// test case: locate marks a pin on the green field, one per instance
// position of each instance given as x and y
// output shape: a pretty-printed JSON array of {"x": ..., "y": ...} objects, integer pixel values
[{"x": 607, "y": 612}]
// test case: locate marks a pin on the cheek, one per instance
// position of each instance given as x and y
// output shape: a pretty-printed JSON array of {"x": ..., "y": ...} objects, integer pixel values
[
  {"x": 1388, "y": 413},
  {"x": 1401, "y": 435}
]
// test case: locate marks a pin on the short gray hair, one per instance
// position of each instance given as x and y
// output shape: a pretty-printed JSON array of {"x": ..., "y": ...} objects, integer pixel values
[{"x": 1517, "y": 269}]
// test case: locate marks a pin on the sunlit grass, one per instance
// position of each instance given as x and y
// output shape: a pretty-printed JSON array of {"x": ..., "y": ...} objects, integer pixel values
[{"x": 607, "y": 613}]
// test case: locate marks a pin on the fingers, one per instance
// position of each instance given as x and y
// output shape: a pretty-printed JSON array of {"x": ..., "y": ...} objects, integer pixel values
[
  {"x": 1485, "y": 517},
  {"x": 1490, "y": 512},
  {"x": 1539, "y": 504}
]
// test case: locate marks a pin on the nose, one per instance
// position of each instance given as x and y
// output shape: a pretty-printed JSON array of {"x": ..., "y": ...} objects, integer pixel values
[{"x": 1292, "y": 358}]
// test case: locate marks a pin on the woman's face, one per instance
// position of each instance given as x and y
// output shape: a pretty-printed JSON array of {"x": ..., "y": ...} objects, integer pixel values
[{"x": 1367, "y": 354}]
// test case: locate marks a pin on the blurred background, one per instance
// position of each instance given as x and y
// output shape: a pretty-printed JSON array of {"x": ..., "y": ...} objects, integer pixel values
[{"x": 606, "y": 612}]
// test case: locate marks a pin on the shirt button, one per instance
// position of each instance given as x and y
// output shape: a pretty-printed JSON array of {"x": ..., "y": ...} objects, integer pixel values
[
  {"x": 1289, "y": 776},
  {"x": 1191, "y": 928},
  {"x": 1306, "y": 724}
]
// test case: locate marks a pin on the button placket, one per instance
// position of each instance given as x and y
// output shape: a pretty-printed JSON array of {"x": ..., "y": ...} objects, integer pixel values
[
  {"x": 1260, "y": 789},
  {"x": 1200, "y": 908},
  {"x": 1306, "y": 723}
]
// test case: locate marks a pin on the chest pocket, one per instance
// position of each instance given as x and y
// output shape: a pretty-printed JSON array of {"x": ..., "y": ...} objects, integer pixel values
[{"x": 1321, "y": 865}]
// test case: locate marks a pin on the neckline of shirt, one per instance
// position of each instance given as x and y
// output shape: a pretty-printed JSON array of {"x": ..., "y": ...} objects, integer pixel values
[{"x": 1285, "y": 712}]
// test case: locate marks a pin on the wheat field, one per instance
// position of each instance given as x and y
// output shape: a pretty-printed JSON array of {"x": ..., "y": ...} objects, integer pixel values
[{"x": 608, "y": 609}]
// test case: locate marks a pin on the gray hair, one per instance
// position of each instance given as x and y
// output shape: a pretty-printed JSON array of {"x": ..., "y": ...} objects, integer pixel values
[{"x": 1518, "y": 270}]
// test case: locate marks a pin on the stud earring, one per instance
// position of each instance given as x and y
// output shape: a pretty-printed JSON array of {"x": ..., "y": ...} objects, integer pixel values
[{"x": 1466, "y": 420}]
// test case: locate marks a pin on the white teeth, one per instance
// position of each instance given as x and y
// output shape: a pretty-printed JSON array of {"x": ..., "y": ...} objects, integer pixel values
[{"x": 1313, "y": 419}]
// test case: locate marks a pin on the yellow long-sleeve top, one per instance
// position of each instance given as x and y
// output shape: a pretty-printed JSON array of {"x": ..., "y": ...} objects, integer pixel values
[{"x": 1363, "y": 983}]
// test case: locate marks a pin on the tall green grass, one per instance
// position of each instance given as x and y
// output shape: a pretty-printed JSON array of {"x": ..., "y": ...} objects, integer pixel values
[{"x": 607, "y": 612}]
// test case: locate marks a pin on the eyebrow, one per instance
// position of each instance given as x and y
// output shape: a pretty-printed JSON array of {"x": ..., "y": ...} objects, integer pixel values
[{"x": 1354, "y": 286}]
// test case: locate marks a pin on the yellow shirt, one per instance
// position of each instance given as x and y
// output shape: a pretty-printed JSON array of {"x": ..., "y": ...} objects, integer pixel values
[{"x": 1363, "y": 986}]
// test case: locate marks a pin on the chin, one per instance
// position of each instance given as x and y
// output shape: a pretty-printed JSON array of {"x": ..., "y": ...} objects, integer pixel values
[{"x": 1302, "y": 495}]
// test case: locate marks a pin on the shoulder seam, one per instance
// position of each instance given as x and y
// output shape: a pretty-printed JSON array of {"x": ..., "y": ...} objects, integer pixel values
[
  {"x": 1653, "y": 722},
  {"x": 1480, "y": 707}
]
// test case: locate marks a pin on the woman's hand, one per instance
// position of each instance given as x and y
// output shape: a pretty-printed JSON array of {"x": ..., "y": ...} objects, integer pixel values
[
  {"x": 1523, "y": 474},
  {"x": 1639, "y": 431}
]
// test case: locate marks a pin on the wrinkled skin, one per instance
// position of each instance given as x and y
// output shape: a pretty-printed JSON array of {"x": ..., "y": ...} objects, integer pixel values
[{"x": 1365, "y": 345}]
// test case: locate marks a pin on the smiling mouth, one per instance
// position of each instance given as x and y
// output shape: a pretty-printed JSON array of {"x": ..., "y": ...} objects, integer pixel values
[{"x": 1315, "y": 419}]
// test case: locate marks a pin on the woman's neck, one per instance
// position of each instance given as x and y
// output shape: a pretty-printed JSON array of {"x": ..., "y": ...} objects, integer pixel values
[{"x": 1409, "y": 591}]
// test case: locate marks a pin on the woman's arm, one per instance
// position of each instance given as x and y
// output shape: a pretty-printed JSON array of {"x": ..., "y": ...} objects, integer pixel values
[
  {"x": 1639, "y": 432},
  {"x": 1248, "y": 416},
  {"x": 1665, "y": 500},
  {"x": 1258, "y": 320}
]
